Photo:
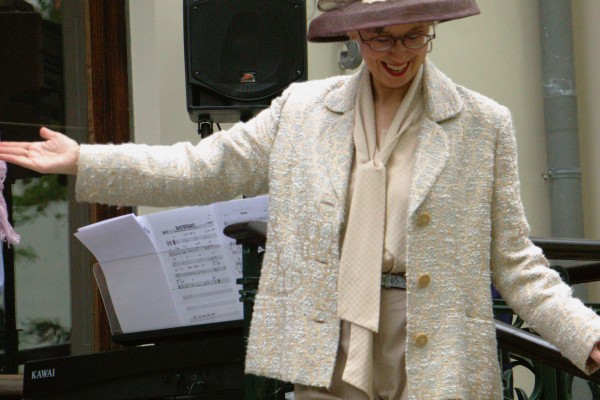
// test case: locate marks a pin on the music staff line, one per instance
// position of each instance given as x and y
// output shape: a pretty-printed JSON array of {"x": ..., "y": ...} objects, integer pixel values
[
  {"x": 189, "y": 227},
  {"x": 181, "y": 275},
  {"x": 209, "y": 282}
]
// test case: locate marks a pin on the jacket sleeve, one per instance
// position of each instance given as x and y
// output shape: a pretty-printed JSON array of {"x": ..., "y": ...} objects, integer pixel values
[
  {"x": 225, "y": 165},
  {"x": 521, "y": 273}
]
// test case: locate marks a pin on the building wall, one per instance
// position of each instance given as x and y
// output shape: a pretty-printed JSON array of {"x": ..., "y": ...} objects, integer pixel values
[{"x": 586, "y": 15}]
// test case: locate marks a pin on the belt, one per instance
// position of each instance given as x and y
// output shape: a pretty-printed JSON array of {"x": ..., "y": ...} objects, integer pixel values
[{"x": 390, "y": 281}]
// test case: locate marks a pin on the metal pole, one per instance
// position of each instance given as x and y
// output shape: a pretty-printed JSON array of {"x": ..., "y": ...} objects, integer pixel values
[
  {"x": 561, "y": 122},
  {"x": 560, "y": 112}
]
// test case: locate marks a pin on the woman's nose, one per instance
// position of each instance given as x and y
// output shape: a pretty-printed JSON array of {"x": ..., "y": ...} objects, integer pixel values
[{"x": 398, "y": 49}]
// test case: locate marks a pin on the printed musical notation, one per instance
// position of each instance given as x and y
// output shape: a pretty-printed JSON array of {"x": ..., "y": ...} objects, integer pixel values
[{"x": 199, "y": 265}]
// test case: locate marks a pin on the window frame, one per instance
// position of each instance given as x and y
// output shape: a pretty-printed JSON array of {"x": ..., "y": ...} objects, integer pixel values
[{"x": 97, "y": 97}]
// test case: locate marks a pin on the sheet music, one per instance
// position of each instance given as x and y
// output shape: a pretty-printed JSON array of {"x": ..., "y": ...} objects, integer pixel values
[
  {"x": 178, "y": 261},
  {"x": 132, "y": 272},
  {"x": 116, "y": 238},
  {"x": 191, "y": 251}
]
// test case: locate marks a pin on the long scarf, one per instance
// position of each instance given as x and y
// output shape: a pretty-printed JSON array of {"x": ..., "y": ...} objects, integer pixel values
[{"x": 7, "y": 233}]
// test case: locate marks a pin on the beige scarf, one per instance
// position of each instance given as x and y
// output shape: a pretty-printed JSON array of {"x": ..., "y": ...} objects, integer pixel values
[{"x": 359, "y": 281}]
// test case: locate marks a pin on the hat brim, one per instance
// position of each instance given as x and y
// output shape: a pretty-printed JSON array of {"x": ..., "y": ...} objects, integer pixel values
[{"x": 334, "y": 25}]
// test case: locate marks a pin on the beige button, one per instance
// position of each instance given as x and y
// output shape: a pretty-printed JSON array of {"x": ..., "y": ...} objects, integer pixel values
[
  {"x": 423, "y": 281},
  {"x": 421, "y": 339},
  {"x": 423, "y": 219},
  {"x": 389, "y": 262}
]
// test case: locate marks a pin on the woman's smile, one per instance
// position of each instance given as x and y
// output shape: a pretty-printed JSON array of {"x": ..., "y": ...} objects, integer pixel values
[{"x": 395, "y": 69}]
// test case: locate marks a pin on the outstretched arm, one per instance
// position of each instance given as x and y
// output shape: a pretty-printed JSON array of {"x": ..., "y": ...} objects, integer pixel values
[{"x": 56, "y": 154}]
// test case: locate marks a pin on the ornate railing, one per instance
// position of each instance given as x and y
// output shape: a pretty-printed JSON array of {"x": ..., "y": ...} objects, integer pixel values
[{"x": 553, "y": 375}]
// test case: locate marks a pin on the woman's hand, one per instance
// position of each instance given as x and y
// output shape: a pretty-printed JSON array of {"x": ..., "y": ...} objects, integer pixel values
[{"x": 57, "y": 154}]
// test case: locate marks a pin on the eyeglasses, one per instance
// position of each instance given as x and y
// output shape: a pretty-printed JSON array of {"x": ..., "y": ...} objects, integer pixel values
[{"x": 412, "y": 41}]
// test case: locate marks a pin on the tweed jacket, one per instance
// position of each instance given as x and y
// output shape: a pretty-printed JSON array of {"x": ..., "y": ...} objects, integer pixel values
[{"x": 466, "y": 229}]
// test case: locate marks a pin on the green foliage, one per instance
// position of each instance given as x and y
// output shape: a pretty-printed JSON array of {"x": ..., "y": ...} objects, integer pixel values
[
  {"x": 31, "y": 199},
  {"x": 45, "y": 331},
  {"x": 48, "y": 10},
  {"x": 26, "y": 253},
  {"x": 39, "y": 331},
  {"x": 34, "y": 197}
]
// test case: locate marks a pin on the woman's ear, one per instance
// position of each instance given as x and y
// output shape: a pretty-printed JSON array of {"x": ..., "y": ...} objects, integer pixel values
[{"x": 353, "y": 35}]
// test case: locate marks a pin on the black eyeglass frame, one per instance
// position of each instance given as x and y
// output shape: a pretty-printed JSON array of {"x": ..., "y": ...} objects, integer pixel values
[{"x": 401, "y": 39}]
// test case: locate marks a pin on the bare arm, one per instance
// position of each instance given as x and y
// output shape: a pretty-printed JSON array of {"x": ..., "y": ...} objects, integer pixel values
[{"x": 56, "y": 154}]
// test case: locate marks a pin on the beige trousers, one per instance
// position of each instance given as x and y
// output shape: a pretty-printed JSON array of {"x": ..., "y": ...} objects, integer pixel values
[{"x": 389, "y": 347}]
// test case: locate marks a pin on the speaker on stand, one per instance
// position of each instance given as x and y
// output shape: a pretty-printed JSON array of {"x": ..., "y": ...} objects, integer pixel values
[{"x": 239, "y": 55}]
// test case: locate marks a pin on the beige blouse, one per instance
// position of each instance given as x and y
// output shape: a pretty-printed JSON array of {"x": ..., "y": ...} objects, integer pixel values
[
  {"x": 399, "y": 172},
  {"x": 359, "y": 366}
]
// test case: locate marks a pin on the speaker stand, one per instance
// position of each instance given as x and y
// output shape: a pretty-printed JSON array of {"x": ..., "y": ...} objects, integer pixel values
[{"x": 205, "y": 128}]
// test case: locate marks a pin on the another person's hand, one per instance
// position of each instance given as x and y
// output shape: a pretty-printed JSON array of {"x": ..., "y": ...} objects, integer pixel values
[
  {"x": 595, "y": 354},
  {"x": 57, "y": 154}
]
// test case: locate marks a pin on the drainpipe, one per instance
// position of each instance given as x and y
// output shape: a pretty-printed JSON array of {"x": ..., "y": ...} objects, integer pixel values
[
  {"x": 560, "y": 114},
  {"x": 561, "y": 122}
]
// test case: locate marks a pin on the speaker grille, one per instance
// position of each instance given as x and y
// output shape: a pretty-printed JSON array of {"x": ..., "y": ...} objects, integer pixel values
[{"x": 246, "y": 49}]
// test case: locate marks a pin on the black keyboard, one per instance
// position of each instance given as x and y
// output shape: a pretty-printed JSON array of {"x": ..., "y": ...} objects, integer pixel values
[{"x": 210, "y": 367}]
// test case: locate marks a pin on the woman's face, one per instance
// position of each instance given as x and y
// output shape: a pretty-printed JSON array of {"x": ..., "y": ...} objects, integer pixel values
[{"x": 393, "y": 69}]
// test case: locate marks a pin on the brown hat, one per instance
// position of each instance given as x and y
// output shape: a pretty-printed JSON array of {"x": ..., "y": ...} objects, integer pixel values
[{"x": 349, "y": 15}]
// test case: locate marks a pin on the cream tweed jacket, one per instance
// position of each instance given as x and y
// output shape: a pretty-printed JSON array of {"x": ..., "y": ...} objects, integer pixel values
[{"x": 466, "y": 230}]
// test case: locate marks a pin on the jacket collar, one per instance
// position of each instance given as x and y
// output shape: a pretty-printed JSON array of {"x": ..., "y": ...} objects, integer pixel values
[
  {"x": 442, "y": 102},
  {"x": 343, "y": 96},
  {"x": 441, "y": 98}
]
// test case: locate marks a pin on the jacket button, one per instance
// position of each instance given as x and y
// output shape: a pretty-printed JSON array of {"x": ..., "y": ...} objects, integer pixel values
[
  {"x": 423, "y": 219},
  {"x": 421, "y": 339},
  {"x": 389, "y": 262},
  {"x": 423, "y": 281}
]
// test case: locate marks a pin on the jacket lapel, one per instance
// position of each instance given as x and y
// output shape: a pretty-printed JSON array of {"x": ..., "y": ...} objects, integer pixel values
[
  {"x": 442, "y": 102},
  {"x": 336, "y": 141},
  {"x": 431, "y": 157}
]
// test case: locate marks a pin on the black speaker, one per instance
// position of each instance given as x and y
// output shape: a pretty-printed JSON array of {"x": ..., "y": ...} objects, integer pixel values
[{"x": 240, "y": 54}]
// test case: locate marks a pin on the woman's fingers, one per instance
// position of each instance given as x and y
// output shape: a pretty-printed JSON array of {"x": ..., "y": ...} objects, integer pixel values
[{"x": 56, "y": 154}]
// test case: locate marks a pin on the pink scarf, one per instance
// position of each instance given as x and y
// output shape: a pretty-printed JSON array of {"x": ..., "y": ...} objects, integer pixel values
[{"x": 7, "y": 233}]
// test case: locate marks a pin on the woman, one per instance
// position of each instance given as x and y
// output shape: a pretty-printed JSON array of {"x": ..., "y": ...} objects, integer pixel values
[{"x": 394, "y": 170}]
